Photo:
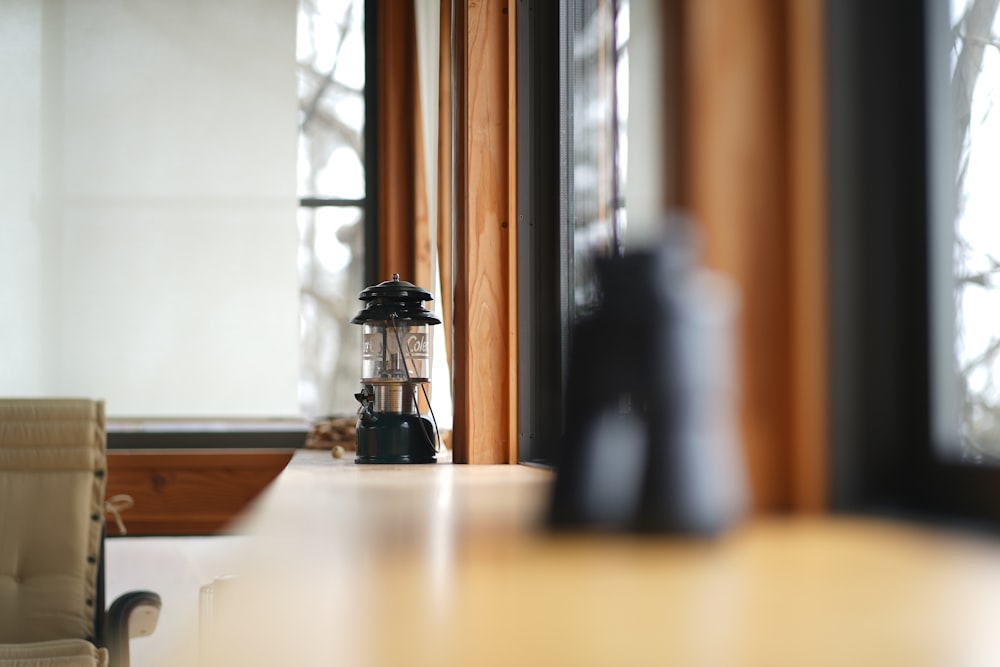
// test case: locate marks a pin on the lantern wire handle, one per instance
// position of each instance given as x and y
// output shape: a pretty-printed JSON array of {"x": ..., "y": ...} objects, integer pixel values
[{"x": 436, "y": 446}]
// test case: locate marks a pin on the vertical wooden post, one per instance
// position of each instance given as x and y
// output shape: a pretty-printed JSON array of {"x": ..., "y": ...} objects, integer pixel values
[
  {"x": 444, "y": 174},
  {"x": 807, "y": 207},
  {"x": 512, "y": 350},
  {"x": 397, "y": 91},
  {"x": 753, "y": 160},
  {"x": 485, "y": 269}
]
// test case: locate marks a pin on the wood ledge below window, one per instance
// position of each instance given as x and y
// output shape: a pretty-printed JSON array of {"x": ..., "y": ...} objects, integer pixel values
[{"x": 188, "y": 491}]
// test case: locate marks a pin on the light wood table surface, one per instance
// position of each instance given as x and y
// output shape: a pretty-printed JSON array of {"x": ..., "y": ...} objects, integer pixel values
[{"x": 449, "y": 565}]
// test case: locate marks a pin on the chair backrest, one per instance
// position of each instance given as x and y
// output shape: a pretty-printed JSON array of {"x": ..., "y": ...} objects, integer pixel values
[{"x": 52, "y": 482}]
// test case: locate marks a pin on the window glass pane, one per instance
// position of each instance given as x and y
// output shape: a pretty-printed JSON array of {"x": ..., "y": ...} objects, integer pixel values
[
  {"x": 975, "y": 81},
  {"x": 599, "y": 99},
  {"x": 331, "y": 81},
  {"x": 974, "y": 237},
  {"x": 331, "y": 267}
]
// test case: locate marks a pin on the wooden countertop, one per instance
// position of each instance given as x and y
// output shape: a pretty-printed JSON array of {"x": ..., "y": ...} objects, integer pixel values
[{"x": 447, "y": 565}]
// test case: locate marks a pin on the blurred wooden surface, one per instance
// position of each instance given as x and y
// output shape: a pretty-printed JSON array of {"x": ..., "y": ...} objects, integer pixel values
[
  {"x": 448, "y": 565},
  {"x": 187, "y": 491}
]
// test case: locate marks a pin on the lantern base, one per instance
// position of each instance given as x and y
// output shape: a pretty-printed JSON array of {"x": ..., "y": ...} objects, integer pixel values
[{"x": 388, "y": 437}]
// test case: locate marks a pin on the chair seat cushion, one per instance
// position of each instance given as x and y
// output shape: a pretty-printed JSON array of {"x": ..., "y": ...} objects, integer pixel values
[{"x": 56, "y": 653}]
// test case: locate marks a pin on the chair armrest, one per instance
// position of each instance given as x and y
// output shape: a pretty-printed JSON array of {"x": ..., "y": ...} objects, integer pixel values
[{"x": 132, "y": 614}]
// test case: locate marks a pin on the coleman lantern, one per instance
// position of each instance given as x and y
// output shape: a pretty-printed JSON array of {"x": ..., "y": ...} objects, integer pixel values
[{"x": 395, "y": 374}]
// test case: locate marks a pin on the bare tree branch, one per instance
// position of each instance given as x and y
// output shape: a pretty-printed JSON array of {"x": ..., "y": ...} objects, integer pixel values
[
  {"x": 982, "y": 279},
  {"x": 985, "y": 42},
  {"x": 351, "y": 136},
  {"x": 319, "y": 78},
  {"x": 974, "y": 29},
  {"x": 309, "y": 110},
  {"x": 986, "y": 356}
]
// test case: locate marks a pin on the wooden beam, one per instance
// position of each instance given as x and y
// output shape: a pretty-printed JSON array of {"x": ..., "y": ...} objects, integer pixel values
[
  {"x": 512, "y": 350},
  {"x": 807, "y": 207},
  {"x": 444, "y": 177},
  {"x": 397, "y": 184},
  {"x": 485, "y": 378}
]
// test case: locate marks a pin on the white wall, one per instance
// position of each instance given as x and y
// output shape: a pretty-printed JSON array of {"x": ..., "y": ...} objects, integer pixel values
[
  {"x": 20, "y": 117},
  {"x": 147, "y": 207}
]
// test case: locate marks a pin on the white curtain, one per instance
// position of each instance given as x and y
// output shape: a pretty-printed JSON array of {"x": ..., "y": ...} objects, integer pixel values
[{"x": 428, "y": 54}]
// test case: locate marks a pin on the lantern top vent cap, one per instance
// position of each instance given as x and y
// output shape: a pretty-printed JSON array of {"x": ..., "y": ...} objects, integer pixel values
[
  {"x": 395, "y": 289},
  {"x": 395, "y": 299}
]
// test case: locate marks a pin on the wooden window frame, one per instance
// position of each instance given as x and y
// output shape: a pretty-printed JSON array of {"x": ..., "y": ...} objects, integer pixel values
[{"x": 485, "y": 234}]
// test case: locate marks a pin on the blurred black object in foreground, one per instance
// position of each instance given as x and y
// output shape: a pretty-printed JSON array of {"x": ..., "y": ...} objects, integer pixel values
[{"x": 650, "y": 442}]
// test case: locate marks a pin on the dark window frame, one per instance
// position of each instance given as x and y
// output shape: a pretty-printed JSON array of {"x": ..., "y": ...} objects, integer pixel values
[
  {"x": 546, "y": 216},
  {"x": 540, "y": 233},
  {"x": 543, "y": 219},
  {"x": 887, "y": 178}
]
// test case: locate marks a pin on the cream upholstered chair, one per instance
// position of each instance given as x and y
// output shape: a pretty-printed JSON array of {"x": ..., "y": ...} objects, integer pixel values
[{"x": 52, "y": 482}]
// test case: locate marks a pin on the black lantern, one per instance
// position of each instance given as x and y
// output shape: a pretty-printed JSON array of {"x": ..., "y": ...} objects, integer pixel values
[{"x": 395, "y": 371}]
